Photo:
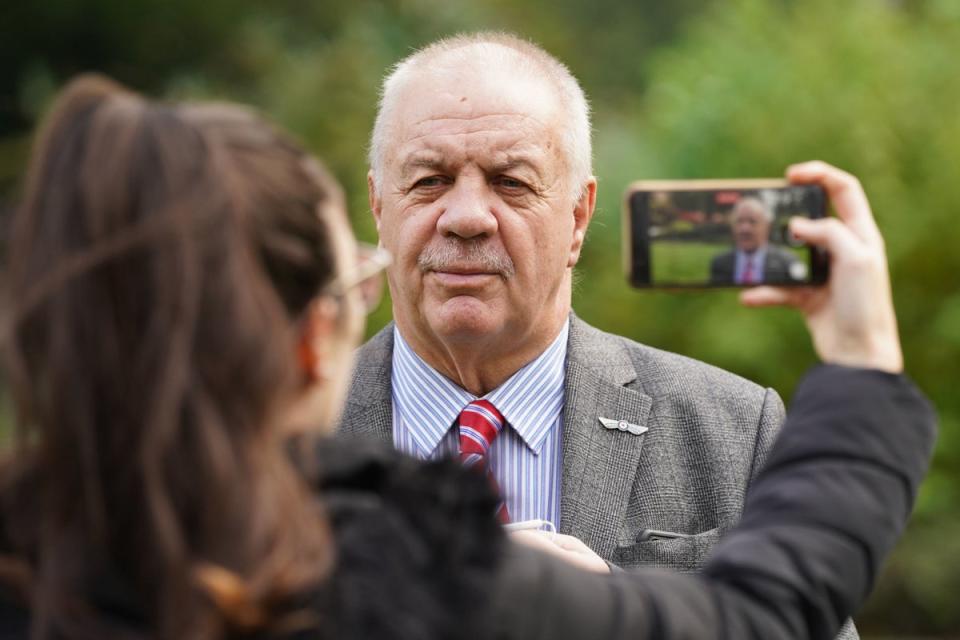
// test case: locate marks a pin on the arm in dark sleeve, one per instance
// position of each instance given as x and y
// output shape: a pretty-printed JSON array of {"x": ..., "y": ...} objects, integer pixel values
[
  {"x": 819, "y": 520},
  {"x": 829, "y": 506}
]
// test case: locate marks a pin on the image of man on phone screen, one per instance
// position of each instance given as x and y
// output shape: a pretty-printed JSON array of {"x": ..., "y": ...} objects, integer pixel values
[{"x": 753, "y": 260}]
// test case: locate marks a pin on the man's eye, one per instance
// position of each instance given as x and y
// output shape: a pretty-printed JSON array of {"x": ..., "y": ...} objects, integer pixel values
[
  {"x": 429, "y": 181},
  {"x": 511, "y": 183}
]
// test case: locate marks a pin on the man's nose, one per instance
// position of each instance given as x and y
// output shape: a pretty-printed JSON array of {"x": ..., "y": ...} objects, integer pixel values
[{"x": 467, "y": 212}]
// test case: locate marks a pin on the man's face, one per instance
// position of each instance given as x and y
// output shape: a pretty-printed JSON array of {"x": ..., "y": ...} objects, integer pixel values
[
  {"x": 476, "y": 207},
  {"x": 750, "y": 227}
]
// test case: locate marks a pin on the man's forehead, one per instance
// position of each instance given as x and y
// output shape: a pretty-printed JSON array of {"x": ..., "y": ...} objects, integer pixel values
[
  {"x": 491, "y": 122},
  {"x": 492, "y": 138}
]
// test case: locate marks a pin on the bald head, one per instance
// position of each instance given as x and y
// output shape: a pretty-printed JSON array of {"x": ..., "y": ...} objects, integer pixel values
[{"x": 503, "y": 65}]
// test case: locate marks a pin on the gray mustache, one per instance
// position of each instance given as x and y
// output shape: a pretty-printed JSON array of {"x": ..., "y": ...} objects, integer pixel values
[{"x": 484, "y": 256}]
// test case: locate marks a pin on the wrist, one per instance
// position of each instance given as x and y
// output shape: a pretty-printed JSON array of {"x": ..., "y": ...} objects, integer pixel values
[{"x": 882, "y": 355}]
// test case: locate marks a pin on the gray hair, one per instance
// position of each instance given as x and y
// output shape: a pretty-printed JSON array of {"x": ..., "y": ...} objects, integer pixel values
[{"x": 513, "y": 53}]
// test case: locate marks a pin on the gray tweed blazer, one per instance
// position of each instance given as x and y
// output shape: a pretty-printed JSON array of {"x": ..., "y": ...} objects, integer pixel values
[{"x": 662, "y": 497}]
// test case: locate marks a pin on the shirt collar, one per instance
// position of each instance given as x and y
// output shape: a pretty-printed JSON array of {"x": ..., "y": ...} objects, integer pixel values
[
  {"x": 531, "y": 400},
  {"x": 757, "y": 256}
]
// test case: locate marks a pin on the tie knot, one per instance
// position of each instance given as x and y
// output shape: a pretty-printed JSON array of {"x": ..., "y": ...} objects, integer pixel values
[{"x": 479, "y": 424}]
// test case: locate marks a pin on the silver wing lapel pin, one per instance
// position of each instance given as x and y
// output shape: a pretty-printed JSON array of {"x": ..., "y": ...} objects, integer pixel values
[{"x": 622, "y": 425}]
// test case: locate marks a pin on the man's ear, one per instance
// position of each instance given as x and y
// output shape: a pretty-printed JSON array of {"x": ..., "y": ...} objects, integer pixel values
[
  {"x": 582, "y": 214},
  {"x": 317, "y": 334},
  {"x": 373, "y": 198}
]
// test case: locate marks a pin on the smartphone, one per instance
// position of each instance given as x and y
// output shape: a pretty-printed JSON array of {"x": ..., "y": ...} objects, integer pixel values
[{"x": 720, "y": 233}]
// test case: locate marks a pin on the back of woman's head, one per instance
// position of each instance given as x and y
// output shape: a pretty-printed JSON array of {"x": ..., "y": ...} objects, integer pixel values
[{"x": 159, "y": 262}]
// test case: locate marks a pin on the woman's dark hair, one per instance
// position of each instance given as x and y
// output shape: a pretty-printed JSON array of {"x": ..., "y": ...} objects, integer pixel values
[{"x": 158, "y": 265}]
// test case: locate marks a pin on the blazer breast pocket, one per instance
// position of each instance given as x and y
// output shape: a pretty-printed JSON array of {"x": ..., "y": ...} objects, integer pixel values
[{"x": 684, "y": 554}]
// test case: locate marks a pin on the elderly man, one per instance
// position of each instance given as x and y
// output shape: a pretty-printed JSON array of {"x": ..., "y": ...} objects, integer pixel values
[
  {"x": 754, "y": 260},
  {"x": 481, "y": 187}
]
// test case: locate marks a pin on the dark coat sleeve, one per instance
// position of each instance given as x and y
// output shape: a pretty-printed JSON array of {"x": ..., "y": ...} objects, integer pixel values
[{"x": 817, "y": 525}]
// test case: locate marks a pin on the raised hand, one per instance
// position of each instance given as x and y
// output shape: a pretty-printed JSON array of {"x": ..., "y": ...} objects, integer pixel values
[{"x": 851, "y": 318}]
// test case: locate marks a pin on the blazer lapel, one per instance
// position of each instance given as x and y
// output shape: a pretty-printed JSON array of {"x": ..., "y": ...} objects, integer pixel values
[
  {"x": 599, "y": 464},
  {"x": 369, "y": 409}
]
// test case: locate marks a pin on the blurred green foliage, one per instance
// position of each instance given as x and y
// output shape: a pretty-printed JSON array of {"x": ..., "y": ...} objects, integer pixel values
[{"x": 682, "y": 89}]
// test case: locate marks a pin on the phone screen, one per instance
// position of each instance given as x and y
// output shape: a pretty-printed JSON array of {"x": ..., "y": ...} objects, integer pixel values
[{"x": 727, "y": 234}]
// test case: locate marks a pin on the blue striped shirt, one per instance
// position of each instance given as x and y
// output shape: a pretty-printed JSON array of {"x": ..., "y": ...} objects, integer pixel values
[{"x": 525, "y": 457}]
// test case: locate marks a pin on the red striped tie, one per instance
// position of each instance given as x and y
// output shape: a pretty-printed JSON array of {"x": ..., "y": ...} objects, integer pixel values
[
  {"x": 748, "y": 276},
  {"x": 479, "y": 424}
]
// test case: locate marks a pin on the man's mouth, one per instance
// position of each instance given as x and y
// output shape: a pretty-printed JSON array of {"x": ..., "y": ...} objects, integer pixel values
[
  {"x": 464, "y": 270},
  {"x": 462, "y": 277}
]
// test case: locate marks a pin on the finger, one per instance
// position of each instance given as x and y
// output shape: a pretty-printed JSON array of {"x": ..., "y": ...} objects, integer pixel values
[
  {"x": 829, "y": 234},
  {"x": 570, "y": 543},
  {"x": 531, "y": 539},
  {"x": 530, "y": 533},
  {"x": 845, "y": 192}
]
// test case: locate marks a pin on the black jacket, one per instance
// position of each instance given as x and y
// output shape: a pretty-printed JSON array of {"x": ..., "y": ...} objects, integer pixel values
[
  {"x": 817, "y": 524},
  {"x": 419, "y": 554},
  {"x": 420, "y": 557}
]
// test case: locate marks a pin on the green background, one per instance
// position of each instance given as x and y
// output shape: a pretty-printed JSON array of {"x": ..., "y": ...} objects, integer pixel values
[{"x": 681, "y": 89}]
